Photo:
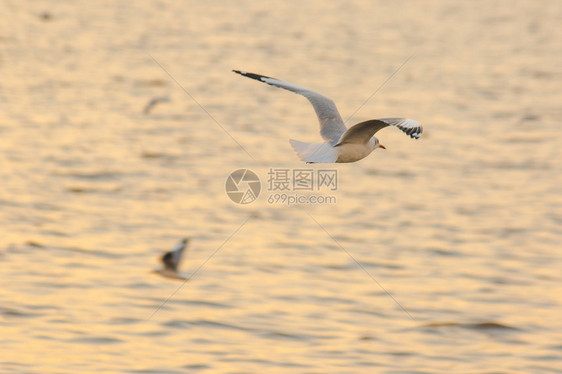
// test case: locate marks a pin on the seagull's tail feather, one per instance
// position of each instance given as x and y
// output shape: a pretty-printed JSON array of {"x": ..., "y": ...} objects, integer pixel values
[{"x": 315, "y": 152}]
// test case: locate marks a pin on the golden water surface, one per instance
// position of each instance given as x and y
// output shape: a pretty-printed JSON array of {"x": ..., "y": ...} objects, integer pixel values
[{"x": 439, "y": 255}]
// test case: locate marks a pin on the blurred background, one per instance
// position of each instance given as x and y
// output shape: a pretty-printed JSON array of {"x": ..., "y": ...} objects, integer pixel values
[{"x": 458, "y": 234}]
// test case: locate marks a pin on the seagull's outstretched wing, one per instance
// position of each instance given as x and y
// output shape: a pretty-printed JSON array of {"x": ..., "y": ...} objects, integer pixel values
[
  {"x": 172, "y": 259},
  {"x": 331, "y": 123},
  {"x": 363, "y": 131}
]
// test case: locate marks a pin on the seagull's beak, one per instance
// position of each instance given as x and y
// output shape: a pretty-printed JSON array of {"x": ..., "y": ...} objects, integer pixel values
[{"x": 382, "y": 146}]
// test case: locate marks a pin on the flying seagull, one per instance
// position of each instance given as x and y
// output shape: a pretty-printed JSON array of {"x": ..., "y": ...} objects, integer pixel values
[
  {"x": 155, "y": 101},
  {"x": 172, "y": 259},
  {"x": 341, "y": 144}
]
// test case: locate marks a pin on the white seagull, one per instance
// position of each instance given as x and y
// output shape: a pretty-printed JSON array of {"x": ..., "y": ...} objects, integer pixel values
[
  {"x": 341, "y": 144},
  {"x": 171, "y": 260}
]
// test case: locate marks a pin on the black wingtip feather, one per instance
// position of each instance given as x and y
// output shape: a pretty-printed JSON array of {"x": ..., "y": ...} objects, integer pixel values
[
  {"x": 252, "y": 75},
  {"x": 414, "y": 132}
]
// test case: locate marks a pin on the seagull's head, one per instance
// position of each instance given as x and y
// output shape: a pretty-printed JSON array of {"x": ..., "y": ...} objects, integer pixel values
[{"x": 377, "y": 144}]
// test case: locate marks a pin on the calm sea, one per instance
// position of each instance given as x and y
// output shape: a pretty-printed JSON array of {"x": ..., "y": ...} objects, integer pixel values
[{"x": 439, "y": 255}]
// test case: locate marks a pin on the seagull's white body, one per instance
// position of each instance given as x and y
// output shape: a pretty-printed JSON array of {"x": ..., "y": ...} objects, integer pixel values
[
  {"x": 341, "y": 144},
  {"x": 351, "y": 152}
]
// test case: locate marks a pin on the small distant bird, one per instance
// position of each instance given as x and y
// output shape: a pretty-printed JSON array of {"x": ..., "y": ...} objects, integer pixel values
[
  {"x": 46, "y": 16},
  {"x": 154, "y": 101},
  {"x": 341, "y": 144},
  {"x": 172, "y": 259}
]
